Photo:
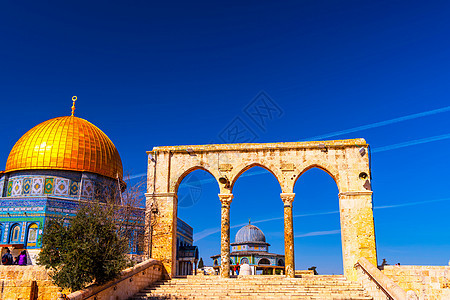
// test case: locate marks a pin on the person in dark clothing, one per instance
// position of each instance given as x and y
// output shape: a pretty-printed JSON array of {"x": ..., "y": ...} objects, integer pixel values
[{"x": 7, "y": 258}]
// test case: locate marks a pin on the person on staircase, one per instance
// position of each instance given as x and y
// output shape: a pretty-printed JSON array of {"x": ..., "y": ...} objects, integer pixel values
[
  {"x": 7, "y": 258},
  {"x": 22, "y": 261}
]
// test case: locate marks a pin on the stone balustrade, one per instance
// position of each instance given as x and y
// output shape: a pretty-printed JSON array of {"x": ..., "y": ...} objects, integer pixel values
[
  {"x": 131, "y": 281},
  {"x": 378, "y": 285}
]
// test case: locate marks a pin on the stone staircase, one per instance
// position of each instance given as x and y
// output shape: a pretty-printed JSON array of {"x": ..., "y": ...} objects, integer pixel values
[{"x": 255, "y": 287}]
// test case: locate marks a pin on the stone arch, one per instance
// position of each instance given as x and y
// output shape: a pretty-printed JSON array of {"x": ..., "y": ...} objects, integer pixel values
[
  {"x": 174, "y": 187},
  {"x": 343, "y": 160},
  {"x": 247, "y": 167},
  {"x": 263, "y": 261},
  {"x": 244, "y": 260},
  {"x": 316, "y": 190},
  {"x": 328, "y": 169}
]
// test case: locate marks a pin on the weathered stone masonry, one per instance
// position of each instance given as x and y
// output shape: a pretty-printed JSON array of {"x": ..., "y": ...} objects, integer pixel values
[{"x": 346, "y": 161}]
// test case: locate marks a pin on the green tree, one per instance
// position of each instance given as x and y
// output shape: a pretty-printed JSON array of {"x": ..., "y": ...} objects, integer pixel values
[
  {"x": 89, "y": 250},
  {"x": 200, "y": 263}
]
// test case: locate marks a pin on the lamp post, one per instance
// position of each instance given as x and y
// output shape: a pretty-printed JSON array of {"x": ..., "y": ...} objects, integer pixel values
[{"x": 152, "y": 221}]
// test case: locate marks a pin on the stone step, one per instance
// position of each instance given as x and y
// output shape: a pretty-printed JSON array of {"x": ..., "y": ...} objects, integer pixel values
[
  {"x": 242, "y": 292},
  {"x": 272, "y": 284},
  {"x": 276, "y": 296},
  {"x": 286, "y": 281},
  {"x": 268, "y": 288},
  {"x": 255, "y": 287},
  {"x": 234, "y": 296},
  {"x": 359, "y": 293}
]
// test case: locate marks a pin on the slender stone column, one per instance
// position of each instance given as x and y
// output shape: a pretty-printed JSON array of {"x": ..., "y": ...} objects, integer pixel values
[
  {"x": 225, "y": 235},
  {"x": 288, "y": 198}
]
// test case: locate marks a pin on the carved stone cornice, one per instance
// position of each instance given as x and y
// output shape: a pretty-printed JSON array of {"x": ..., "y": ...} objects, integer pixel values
[
  {"x": 159, "y": 195},
  {"x": 226, "y": 199},
  {"x": 287, "y": 198},
  {"x": 356, "y": 193}
]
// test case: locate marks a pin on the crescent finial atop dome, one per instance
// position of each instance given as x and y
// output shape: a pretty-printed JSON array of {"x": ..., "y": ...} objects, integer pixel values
[{"x": 74, "y": 98}]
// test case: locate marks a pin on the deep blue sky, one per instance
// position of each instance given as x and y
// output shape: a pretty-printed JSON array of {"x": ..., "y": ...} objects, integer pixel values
[{"x": 172, "y": 73}]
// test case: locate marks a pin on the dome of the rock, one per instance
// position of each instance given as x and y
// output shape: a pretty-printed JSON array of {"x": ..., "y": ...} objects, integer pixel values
[
  {"x": 250, "y": 233},
  {"x": 66, "y": 143}
]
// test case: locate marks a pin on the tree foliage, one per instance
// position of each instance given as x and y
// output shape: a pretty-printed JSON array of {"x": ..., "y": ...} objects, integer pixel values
[{"x": 89, "y": 250}]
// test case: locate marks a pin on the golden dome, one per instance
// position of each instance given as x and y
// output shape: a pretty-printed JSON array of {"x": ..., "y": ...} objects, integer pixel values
[{"x": 66, "y": 143}]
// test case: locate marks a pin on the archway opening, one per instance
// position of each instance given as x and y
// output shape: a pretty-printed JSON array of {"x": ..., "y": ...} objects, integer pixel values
[
  {"x": 317, "y": 238},
  {"x": 257, "y": 201},
  {"x": 32, "y": 235},
  {"x": 14, "y": 234},
  {"x": 198, "y": 223}
]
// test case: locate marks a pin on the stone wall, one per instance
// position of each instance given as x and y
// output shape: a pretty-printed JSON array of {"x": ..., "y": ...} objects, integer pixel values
[
  {"x": 428, "y": 282},
  {"x": 16, "y": 283},
  {"x": 131, "y": 281}
]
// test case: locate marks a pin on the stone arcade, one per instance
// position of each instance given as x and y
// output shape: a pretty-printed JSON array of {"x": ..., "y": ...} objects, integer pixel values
[{"x": 346, "y": 161}]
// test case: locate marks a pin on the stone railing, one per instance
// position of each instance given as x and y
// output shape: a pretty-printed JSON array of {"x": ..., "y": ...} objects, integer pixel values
[
  {"x": 378, "y": 285},
  {"x": 130, "y": 281}
]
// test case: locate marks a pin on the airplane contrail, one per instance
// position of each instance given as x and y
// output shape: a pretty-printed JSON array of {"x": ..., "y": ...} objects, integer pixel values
[
  {"x": 374, "y": 150},
  {"x": 365, "y": 127},
  {"x": 382, "y": 123},
  {"x": 316, "y": 233},
  {"x": 207, "y": 232},
  {"x": 412, "y": 143}
]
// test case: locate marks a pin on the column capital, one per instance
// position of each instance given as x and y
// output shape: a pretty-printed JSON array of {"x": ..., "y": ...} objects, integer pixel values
[
  {"x": 287, "y": 198},
  {"x": 226, "y": 199}
]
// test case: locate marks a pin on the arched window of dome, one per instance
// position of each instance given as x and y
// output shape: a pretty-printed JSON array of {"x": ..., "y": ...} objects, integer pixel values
[
  {"x": 264, "y": 261},
  {"x": 216, "y": 263},
  {"x": 244, "y": 260},
  {"x": 14, "y": 234},
  {"x": 32, "y": 235},
  {"x": 281, "y": 262}
]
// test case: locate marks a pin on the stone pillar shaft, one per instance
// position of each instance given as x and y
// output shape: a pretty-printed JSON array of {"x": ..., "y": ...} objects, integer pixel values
[
  {"x": 162, "y": 207},
  {"x": 288, "y": 198},
  {"x": 225, "y": 199},
  {"x": 357, "y": 230}
]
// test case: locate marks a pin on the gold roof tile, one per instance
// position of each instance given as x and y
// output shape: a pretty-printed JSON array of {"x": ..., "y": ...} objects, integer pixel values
[{"x": 66, "y": 143}]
